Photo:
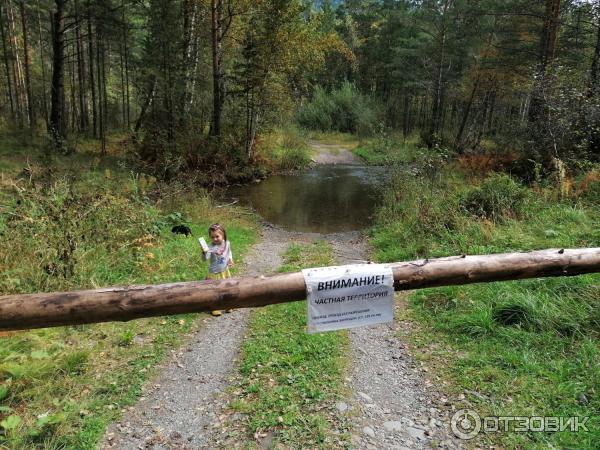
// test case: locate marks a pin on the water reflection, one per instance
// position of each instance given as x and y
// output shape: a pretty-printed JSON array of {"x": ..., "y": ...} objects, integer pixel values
[{"x": 324, "y": 199}]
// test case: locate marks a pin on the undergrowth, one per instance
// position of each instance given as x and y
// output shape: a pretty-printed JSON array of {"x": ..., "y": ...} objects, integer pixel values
[
  {"x": 344, "y": 110},
  {"x": 387, "y": 149},
  {"x": 284, "y": 150}
]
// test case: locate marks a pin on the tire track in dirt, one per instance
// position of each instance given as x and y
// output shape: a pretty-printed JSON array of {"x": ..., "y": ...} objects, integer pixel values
[{"x": 391, "y": 405}]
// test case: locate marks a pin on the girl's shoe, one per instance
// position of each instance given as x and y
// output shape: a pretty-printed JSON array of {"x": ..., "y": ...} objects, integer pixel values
[
  {"x": 229, "y": 310},
  {"x": 216, "y": 313}
]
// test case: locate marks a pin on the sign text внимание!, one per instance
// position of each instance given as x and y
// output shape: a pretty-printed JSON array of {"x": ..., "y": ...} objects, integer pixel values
[{"x": 349, "y": 296}]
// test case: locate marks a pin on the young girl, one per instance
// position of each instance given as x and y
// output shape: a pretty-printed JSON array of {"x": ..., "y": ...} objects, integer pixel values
[{"x": 219, "y": 256}]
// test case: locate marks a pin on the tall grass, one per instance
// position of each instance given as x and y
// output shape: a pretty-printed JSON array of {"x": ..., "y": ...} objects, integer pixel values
[
  {"x": 387, "y": 149},
  {"x": 518, "y": 348},
  {"x": 60, "y": 387},
  {"x": 285, "y": 149}
]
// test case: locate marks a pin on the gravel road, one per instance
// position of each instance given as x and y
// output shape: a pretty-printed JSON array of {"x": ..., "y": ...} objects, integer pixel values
[
  {"x": 391, "y": 405},
  {"x": 179, "y": 408}
]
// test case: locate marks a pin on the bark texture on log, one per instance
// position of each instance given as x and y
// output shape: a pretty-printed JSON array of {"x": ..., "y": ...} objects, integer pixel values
[{"x": 132, "y": 302}]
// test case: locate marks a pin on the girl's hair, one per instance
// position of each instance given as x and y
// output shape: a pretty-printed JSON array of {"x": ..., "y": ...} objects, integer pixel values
[{"x": 217, "y": 227}]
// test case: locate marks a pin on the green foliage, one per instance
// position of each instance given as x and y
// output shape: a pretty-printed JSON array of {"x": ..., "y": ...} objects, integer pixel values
[
  {"x": 286, "y": 149},
  {"x": 498, "y": 197},
  {"x": 386, "y": 149},
  {"x": 344, "y": 109},
  {"x": 60, "y": 234},
  {"x": 287, "y": 374},
  {"x": 66, "y": 384},
  {"x": 591, "y": 189}
]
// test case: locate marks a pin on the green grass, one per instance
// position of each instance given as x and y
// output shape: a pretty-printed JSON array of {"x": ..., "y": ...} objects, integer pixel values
[
  {"x": 60, "y": 387},
  {"x": 346, "y": 140},
  {"x": 285, "y": 149},
  {"x": 387, "y": 150},
  {"x": 518, "y": 348},
  {"x": 287, "y": 375}
]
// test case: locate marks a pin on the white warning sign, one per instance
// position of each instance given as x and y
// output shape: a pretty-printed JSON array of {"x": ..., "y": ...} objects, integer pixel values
[{"x": 349, "y": 296}]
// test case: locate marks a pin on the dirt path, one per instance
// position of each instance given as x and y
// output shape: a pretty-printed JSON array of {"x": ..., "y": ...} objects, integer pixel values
[
  {"x": 333, "y": 154},
  {"x": 391, "y": 406},
  {"x": 180, "y": 406},
  {"x": 395, "y": 406}
]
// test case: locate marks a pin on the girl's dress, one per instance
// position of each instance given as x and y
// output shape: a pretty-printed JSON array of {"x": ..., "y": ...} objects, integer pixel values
[
  {"x": 218, "y": 266},
  {"x": 218, "y": 257}
]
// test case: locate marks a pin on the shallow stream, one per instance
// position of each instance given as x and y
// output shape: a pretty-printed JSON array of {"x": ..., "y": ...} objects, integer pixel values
[{"x": 323, "y": 199}]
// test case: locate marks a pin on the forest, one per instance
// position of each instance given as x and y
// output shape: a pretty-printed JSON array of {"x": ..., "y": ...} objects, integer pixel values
[
  {"x": 196, "y": 83},
  {"x": 318, "y": 132}
]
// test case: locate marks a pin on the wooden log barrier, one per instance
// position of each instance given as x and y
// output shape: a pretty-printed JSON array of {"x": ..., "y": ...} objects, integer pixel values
[{"x": 18, "y": 312}]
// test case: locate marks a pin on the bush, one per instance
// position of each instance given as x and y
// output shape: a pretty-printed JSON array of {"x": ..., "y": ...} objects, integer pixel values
[
  {"x": 344, "y": 109},
  {"x": 589, "y": 188},
  {"x": 499, "y": 197},
  {"x": 284, "y": 150},
  {"x": 54, "y": 237}
]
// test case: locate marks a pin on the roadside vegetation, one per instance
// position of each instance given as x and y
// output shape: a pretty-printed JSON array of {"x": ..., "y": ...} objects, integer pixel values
[
  {"x": 90, "y": 224},
  {"x": 284, "y": 149},
  {"x": 342, "y": 110},
  {"x": 518, "y": 348},
  {"x": 385, "y": 149},
  {"x": 288, "y": 375}
]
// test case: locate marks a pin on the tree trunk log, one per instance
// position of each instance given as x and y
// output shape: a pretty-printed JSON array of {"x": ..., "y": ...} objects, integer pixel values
[{"x": 19, "y": 312}]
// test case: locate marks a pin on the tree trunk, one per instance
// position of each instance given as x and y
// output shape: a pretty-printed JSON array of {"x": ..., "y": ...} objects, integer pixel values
[
  {"x": 83, "y": 108},
  {"x": 43, "y": 64},
  {"x": 26, "y": 62},
  {"x": 18, "y": 312},
  {"x": 594, "y": 94},
  {"x": 437, "y": 110},
  {"x": 463, "y": 123},
  {"x": 218, "y": 85},
  {"x": 547, "y": 53},
  {"x": 72, "y": 71},
  {"x": 251, "y": 122},
  {"x": 147, "y": 103},
  {"x": 15, "y": 64},
  {"x": 126, "y": 56},
  {"x": 492, "y": 109},
  {"x": 406, "y": 116},
  {"x": 57, "y": 121},
  {"x": 91, "y": 71},
  {"x": 190, "y": 57},
  {"x": 100, "y": 72},
  {"x": 7, "y": 66},
  {"x": 594, "y": 86},
  {"x": 122, "y": 73}
]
